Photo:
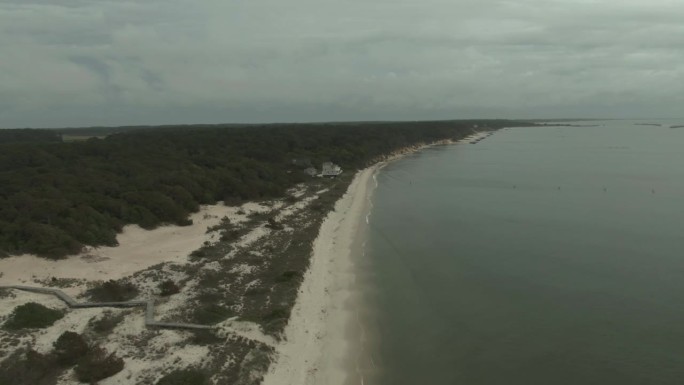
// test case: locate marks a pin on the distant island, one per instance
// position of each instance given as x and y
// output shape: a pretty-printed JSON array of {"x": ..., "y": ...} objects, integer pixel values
[{"x": 566, "y": 125}]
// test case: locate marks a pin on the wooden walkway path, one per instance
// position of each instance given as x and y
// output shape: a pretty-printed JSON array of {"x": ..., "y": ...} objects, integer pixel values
[{"x": 149, "y": 307}]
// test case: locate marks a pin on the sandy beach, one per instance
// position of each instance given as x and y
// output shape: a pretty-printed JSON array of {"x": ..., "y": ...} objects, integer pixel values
[
  {"x": 324, "y": 343},
  {"x": 316, "y": 345}
]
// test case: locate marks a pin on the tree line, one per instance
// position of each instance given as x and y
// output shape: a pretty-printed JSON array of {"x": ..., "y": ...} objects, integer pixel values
[{"x": 57, "y": 197}]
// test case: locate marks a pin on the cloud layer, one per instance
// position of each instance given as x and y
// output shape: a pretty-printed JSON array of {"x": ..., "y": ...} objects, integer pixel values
[{"x": 102, "y": 62}]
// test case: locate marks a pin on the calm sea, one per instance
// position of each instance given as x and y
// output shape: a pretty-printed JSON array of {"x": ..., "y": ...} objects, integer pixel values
[{"x": 546, "y": 255}]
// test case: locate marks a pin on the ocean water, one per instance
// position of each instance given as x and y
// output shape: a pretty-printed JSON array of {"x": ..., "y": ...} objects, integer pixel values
[{"x": 541, "y": 255}]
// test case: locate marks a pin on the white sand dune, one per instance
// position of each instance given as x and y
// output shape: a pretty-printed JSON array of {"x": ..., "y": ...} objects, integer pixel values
[{"x": 138, "y": 249}]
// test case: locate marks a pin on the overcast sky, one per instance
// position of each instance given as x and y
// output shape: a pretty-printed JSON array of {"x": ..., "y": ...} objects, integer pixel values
[{"x": 120, "y": 62}]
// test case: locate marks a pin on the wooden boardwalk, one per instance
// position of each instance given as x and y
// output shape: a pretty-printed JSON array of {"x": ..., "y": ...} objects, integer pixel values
[{"x": 149, "y": 307}]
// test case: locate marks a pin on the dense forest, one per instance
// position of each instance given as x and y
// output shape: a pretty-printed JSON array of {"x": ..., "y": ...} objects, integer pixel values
[
  {"x": 56, "y": 197},
  {"x": 29, "y": 135}
]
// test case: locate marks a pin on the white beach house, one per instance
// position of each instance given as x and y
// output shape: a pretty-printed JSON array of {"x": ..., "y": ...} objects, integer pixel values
[{"x": 330, "y": 169}]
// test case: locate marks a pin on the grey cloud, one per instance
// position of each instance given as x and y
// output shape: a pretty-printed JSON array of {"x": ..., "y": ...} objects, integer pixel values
[
  {"x": 96, "y": 66},
  {"x": 72, "y": 62}
]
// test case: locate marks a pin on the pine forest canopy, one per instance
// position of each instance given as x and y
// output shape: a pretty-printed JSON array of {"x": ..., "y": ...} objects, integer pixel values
[{"x": 56, "y": 197}]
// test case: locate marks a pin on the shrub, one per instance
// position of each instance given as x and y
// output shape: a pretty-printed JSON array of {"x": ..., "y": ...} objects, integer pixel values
[
  {"x": 113, "y": 291},
  {"x": 32, "y": 315},
  {"x": 274, "y": 225},
  {"x": 168, "y": 288},
  {"x": 184, "y": 377},
  {"x": 107, "y": 323},
  {"x": 207, "y": 296},
  {"x": 197, "y": 254},
  {"x": 29, "y": 368},
  {"x": 6, "y": 293},
  {"x": 98, "y": 365},
  {"x": 288, "y": 276},
  {"x": 275, "y": 321},
  {"x": 185, "y": 222},
  {"x": 211, "y": 314},
  {"x": 230, "y": 235},
  {"x": 205, "y": 337},
  {"x": 69, "y": 348}
]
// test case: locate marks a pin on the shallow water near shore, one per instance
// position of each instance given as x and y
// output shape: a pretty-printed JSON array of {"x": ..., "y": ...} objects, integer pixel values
[{"x": 541, "y": 255}]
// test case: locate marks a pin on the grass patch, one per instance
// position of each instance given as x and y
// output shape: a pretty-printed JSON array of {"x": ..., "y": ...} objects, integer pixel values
[
  {"x": 184, "y": 377},
  {"x": 32, "y": 316},
  {"x": 107, "y": 323}
]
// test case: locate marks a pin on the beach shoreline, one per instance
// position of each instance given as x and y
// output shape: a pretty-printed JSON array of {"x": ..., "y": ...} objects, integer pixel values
[
  {"x": 316, "y": 345},
  {"x": 325, "y": 341}
]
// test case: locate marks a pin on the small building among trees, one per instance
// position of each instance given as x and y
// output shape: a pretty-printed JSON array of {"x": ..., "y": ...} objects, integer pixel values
[
  {"x": 330, "y": 169},
  {"x": 311, "y": 171}
]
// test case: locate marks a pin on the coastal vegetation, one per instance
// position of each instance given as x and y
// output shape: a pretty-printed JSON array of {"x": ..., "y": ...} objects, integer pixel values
[
  {"x": 113, "y": 291},
  {"x": 97, "y": 365},
  {"x": 184, "y": 377},
  {"x": 32, "y": 315},
  {"x": 247, "y": 274},
  {"x": 90, "y": 361},
  {"x": 106, "y": 323},
  {"x": 69, "y": 348},
  {"x": 57, "y": 197},
  {"x": 27, "y": 135}
]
